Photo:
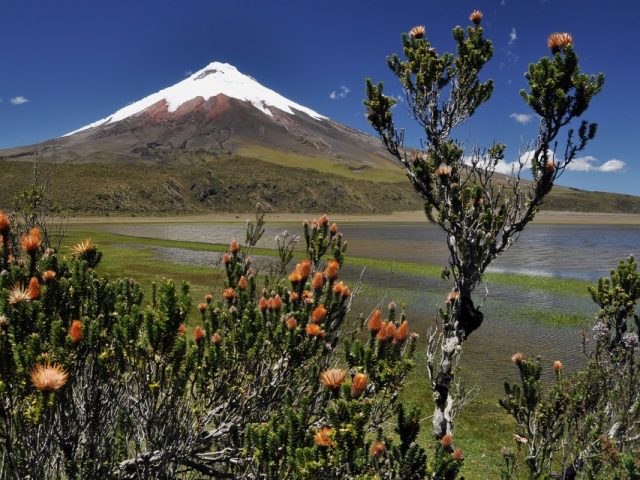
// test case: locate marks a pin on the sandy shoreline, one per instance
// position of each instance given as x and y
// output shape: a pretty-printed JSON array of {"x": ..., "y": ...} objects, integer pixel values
[{"x": 559, "y": 218}]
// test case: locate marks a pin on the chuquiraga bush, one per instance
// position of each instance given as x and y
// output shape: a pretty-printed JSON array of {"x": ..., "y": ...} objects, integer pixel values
[
  {"x": 481, "y": 214},
  {"x": 585, "y": 425},
  {"x": 95, "y": 382}
]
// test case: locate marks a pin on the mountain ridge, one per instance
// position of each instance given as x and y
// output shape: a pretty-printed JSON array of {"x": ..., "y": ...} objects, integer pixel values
[{"x": 183, "y": 140}]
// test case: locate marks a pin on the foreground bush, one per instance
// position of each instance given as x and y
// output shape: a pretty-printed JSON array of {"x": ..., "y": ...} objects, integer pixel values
[
  {"x": 97, "y": 383},
  {"x": 586, "y": 425}
]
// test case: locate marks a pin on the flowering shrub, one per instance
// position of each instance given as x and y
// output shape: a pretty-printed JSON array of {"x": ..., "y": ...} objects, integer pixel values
[
  {"x": 96, "y": 382},
  {"x": 586, "y": 425},
  {"x": 481, "y": 214}
]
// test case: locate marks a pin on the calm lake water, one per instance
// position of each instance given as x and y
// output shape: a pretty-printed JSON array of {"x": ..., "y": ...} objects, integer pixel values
[{"x": 512, "y": 314}]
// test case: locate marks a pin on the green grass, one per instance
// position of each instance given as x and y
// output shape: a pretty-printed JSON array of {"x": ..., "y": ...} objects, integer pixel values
[
  {"x": 387, "y": 173},
  {"x": 482, "y": 430},
  {"x": 543, "y": 284}
]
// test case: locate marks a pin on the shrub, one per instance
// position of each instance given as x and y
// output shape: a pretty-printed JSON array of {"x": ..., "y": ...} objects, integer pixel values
[
  {"x": 481, "y": 214},
  {"x": 98, "y": 383},
  {"x": 586, "y": 425}
]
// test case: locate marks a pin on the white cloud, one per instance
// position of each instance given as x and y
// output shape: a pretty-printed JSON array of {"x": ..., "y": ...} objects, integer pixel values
[
  {"x": 188, "y": 73},
  {"x": 19, "y": 100},
  {"x": 522, "y": 118},
  {"x": 503, "y": 3},
  {"x": 580, "y": 164},
  {"x": 590, "y": 164},
  {"x": 342, "y": 92},
  {"x": 513, "y": 36}
]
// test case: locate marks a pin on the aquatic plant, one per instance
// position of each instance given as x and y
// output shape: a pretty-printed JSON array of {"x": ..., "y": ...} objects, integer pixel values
[{"x": 480, "y": 212}]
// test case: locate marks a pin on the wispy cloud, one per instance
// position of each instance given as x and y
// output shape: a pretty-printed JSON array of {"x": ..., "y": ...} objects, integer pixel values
[
  {"x": 522, "y": 118},
  {"x": 342, "y": 92},
  {"x": 188, "y": 73},
  {"x": 513, "y": 36},
  {"x": 503, "y": 3},
  {"x": 19, "y": 100},
  {"x": 579, "y": 164}
]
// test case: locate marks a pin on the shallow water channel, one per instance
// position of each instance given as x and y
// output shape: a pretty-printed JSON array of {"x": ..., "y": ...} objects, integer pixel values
[{"x": 512, "y": 313}]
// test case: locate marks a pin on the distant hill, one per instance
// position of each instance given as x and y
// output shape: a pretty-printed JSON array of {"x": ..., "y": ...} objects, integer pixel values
[{"x": 220, "y": 141}]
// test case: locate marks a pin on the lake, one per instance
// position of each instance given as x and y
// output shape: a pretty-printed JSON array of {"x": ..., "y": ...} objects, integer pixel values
[{"x": 512, "y": 313}]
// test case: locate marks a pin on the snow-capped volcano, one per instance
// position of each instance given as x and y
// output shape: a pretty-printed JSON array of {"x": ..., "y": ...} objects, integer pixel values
[
  {"x": 216, "y": 112},
  {"x": 214, "y": 79}
]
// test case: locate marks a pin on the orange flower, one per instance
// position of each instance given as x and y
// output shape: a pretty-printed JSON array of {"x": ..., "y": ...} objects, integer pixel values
[
  {"x": 331, "y": 270},
  {"x": 208, "y": 298},
  {"x": 229, "y": 293},
  {"x": 518, "y": 358},
  {"x": 417, "y": 32},
  {"x": 324, "y": 220},
  {"x": 338, "y": 288},
  {"x": 304, "y": 268},
  {"x": 182, "y": 329},
  {"x": 242, "y": 283},
  {"x": 550, "y": 167},
  {"x": 18, "y": 294},
  {"x": 559, "y": 41},
  {"x": 202, "y": 307},
  {"x": 31, "y": 242},
  {"x": 346, "y": 293},
  {"x": 84, "y": 247},
  {"x": 333, "y": 378},
  {"x": 359, "y": 384},
  {"x": 34, "y": 289},
  {"x": 277, "y": 302},
  {"x": 557, "y": 366},
  {"x": 387, "y": 331},
  {"x": 457, "y": 455},
  {"x": 234, "y": 247},
  {"x": 226, "y": 258},
  {"x": 453, "y": 297},
  {"x": 378, "y": 449},
  {"x": 263, "y": 303},
  {"x": 402, "y": 332},
  {"x": 476, "y": 16},
  {"x": 375, "y": 321},
  {"x": 5, "y": 224},
  {"x": 313, "y": 330},
  {"x": 318, "y": 281},
  {"x": 333, "y": 229},
  {"x": 293, "y": 297},
  {"x": 292, "y": 323},
  {"x": 48, "y": 378},
  {"x": 216, "y": 338},
  {"x": 295, "y": 277},
  {"x": 48, "y": 275},
  {"x": 447, "y": 440},
  {"x": 198, "y": 333},
  {"x": 318, "y": 314},
  {"x": 76, "y": 331},
  {"x": 322, "y": 438}
]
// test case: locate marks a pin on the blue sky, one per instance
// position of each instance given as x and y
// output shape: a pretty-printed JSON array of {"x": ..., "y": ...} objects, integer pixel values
[{"x": 69, "y": 63}]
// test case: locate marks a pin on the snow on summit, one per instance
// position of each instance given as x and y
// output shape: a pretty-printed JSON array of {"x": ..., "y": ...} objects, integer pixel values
[{"x": 214, "y": 79}]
